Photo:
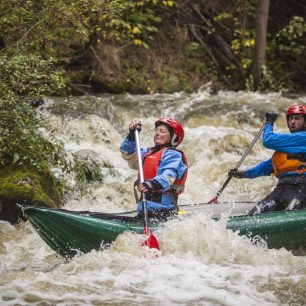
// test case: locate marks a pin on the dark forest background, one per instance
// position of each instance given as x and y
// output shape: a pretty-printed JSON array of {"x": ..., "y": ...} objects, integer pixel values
[{"x": 145, "y": 46}]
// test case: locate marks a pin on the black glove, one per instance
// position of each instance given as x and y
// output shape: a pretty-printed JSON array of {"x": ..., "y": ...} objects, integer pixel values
[
  {"x": 149, "y": 185},
  {"x": 235, "y": 173},
  {"x": 131, "y": 134},
  {"x": 152, "y": 185},
  {"x": 271, "y": 117}
]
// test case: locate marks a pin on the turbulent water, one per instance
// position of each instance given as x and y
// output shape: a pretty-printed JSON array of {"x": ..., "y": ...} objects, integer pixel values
[{"x": 201, "y": 262}]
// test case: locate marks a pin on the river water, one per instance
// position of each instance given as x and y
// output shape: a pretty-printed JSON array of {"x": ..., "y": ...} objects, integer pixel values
[{"x": 201, "y": 262}]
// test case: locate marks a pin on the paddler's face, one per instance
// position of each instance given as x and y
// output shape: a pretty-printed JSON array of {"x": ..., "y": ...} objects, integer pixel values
[
  {"x": 296, "y": 123},
  {"x": 162, "y": 135}
]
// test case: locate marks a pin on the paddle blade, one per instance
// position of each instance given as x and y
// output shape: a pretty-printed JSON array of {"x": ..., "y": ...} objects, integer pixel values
[
  {"x": 151, "y": 242},
  {"x": 213, "y": 200}
]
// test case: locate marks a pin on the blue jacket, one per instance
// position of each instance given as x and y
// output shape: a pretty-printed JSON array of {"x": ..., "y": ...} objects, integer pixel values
[
  {"x": 293, "y": 143},
  {"x": 170, "y": 168}
]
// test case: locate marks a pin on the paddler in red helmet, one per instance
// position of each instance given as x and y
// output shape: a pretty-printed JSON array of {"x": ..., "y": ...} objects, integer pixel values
[
  {"x": 288, "y": 163},
  {"x": 165, "y": 167}
]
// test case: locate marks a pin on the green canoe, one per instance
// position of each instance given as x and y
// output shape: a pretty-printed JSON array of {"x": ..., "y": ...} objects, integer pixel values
[{"x": 70, "y": 232}]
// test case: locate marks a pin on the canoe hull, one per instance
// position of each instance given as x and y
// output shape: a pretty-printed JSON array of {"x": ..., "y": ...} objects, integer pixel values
[
  {"x": 69, "y": 233},
  {"x": 279, "y": 229}
]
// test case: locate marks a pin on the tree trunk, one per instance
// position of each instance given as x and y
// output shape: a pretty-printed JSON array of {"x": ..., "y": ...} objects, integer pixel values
[{"x": 261, "y": 40}]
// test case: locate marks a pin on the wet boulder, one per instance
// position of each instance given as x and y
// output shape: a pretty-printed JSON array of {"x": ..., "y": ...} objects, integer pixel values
[{"x": 23, "y": 185}]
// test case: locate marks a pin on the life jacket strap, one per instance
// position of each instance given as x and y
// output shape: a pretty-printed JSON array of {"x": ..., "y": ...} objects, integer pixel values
[{"x": 300, "y": 157}]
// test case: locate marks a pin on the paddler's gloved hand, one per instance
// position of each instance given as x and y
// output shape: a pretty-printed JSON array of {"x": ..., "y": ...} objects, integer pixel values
[
  {"x": 271, "y": 117},
  {"x": 136, "y": 124},
  {"x": 235, "y": 173},
  {"x": 149, "y": 185}
]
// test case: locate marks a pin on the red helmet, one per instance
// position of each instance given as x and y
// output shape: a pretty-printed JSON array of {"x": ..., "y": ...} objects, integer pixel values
[
  {"x": 296, "y": 109},
  {"x": 176, "y": 127}
]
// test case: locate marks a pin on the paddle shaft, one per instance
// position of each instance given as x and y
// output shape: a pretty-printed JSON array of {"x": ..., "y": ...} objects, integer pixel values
[
  {"x": 215, "y": 199},
  {"x": 140, "y": 168}
]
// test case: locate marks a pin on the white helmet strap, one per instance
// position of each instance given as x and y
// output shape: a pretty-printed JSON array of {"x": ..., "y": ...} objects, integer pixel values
[{"x": 174, "y": 141}]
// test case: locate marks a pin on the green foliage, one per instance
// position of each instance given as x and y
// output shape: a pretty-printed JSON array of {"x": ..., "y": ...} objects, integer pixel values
[
  {"x": 51, "y": 27},
  {"x": 132, "y": 21},
  {"x": 294, "y": 30},
  {"x": 237, "y": 28},
  {"x": 170, "y": 81},
  {"x": 291, "y": 39},
  {"x": 286, "y": 55},
  {"x": 192, "y": 48},
  {"x": 267, "y": 81},
  {"x": 223, "y": 16},
  {"x": 89, "y": 170},
  {"x": 21, "y": 142},
  {"x": 30, "y": 75},
  {"x": 49, "y": 35},
  {"x": 42, "y": 38}
]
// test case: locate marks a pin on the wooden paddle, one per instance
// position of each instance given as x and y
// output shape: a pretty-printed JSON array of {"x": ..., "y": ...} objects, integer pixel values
[
  {"x": 151, "y": 241},
  {"x": 214, "y": 200}
]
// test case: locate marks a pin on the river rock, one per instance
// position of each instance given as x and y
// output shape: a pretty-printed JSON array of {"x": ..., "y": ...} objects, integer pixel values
[{"x": 22, "y": 185}]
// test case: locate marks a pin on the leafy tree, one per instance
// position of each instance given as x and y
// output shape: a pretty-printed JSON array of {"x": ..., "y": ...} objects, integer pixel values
[
  {"x": 287, "y": 55},
  {"x": 20, "y": 140}
]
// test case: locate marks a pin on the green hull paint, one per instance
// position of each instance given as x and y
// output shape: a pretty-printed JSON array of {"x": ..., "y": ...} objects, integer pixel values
[{"x": 68, "y": 232}]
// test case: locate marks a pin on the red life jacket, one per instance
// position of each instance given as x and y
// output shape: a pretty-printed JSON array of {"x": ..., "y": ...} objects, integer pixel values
[
  {"x": 151, "y": 161},
  {"x": 283, "y": 162}
]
